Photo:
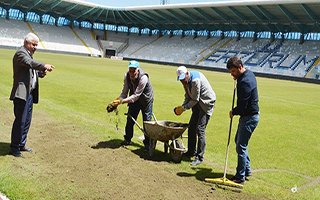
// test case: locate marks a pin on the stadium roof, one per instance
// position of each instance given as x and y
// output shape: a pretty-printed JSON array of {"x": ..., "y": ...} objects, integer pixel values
[{"x": 234, "y": 15}]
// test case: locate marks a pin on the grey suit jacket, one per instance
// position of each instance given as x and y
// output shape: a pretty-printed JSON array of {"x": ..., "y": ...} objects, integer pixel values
[{"x": 23, "y": 66}]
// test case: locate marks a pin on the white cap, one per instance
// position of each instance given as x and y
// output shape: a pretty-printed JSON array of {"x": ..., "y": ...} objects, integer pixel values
[{"x": 181, "y": 73}]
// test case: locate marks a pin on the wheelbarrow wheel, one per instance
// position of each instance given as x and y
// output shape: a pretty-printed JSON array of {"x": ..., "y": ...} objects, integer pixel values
[
  {"x": 176, "y": 155},
  {"x": 152, "y": 146}
]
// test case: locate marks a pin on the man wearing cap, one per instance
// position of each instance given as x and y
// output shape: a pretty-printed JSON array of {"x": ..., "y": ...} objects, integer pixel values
[
  {"x": 137, "y": 92},
  {"x": 200, "y": 97}
]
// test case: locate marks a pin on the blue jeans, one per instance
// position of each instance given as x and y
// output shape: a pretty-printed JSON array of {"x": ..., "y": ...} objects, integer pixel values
[
  {"x": 133, "y": 110},
  {"x": 20, "y": 128},
  {"x": 246, "y": 126}
]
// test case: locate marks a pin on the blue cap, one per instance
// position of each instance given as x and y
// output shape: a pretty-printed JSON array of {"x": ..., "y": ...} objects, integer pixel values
[{"x": 134, "y": 64}]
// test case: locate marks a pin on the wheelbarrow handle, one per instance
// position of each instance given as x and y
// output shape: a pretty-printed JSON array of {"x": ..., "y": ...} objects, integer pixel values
[
  {"x": 176, "y": 148},
  {"x": 154, "y": 117},
  {"x": 135, "y": 121}
]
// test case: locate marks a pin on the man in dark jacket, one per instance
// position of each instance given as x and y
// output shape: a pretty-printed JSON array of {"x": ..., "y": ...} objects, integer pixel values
[
  {"x": 137, "y": 92},
  {"x": 248, "y": 109},
  {"x": 25, "y": 91}
]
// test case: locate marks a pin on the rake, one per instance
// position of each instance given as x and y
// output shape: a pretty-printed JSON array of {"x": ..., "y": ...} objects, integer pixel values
[{"x": 224, "y": 181}]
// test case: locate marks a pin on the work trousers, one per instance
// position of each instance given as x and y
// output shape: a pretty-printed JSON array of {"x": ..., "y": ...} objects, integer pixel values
[
  {"x": 133, "y": 110},
  {"x": 197, "y": 131}
]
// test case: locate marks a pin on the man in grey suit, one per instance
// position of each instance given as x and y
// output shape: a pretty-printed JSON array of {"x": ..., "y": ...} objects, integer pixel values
[{"x": 25, "y": 91}]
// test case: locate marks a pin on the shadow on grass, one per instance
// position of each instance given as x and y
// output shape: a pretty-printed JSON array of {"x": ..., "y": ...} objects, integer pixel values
[
  {"x": 202, "y": 173},
  {"x": 111, "y": 144},
  {"x": 157, "y": 156},
  {"x": 4, "y": 148}
]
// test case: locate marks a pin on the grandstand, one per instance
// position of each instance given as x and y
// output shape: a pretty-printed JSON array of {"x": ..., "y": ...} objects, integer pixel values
[{"x": 281, "y": 40}]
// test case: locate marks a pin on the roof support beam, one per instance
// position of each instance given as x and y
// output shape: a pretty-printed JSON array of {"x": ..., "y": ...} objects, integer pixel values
[
  {"x": 239, "y": 15},
  {"x": 14, "y": 3},
  {"x": 85, "y": 13},
  {"x": 260, "y": 17},
  {"x": 169, "y": 21},
  {"x": 106, "y": 17},
  {"x": 309, "y": 12},
  {"x": 147, "y": 17},
  {"x": 199, "y": 20},
  {"x": 128, "y": 18},
  {"x": 221, "y": 14},
  {"x": 69, "y": 9},
  {"x": 98, "y": 15},
  {"x": 31, "y": 7},
  {"x": 224, "y": 17},
  {"x": 202, "y": 15},
  {"x": 114, "y": 18},
  {"x": 269, "y": 16},
  {"x": 188, "y": 14},
  {"x": 290, "y": 16},
  {"x": 286, "y": 12},
  {"x": 52, "y": 6},
  {"x": 156, "y": 16},
  {"x": 190, "y": 17},
  {"x": 212, "y": 25}
]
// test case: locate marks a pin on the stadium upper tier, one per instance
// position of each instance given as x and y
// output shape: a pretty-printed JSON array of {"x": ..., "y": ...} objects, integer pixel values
[
  {"x": 282, "y": 57},
  {"x": 52, "y": 38},
  {"x": 233, "y": 15}
]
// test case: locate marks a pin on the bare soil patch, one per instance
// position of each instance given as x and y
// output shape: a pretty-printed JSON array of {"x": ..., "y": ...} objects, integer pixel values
[{"x": 75, "y": 164}]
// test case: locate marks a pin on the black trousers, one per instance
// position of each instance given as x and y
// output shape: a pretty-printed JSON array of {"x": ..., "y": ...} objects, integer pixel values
[
  {"x": 134, "y": 109},
  {"x": 197, "y": 132},
  {"x": 20, "y": 128}
]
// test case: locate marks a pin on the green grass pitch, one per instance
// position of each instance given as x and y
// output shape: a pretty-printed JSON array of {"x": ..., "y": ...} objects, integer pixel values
[{"x": 284, "y": 149}]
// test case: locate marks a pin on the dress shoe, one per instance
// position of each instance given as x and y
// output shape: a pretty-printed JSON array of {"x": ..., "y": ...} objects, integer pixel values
[
  {"x": 16, "y": 153},
  {"x": 236, "y": 180},
  {"x": 247, "y": 177},
  {"x": 26, "y": 149},
  {"x": 196, "y": 162}
]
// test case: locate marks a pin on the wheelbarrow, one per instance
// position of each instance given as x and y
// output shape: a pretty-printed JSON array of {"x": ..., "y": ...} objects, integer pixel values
[{"x": 164, "y": 131}]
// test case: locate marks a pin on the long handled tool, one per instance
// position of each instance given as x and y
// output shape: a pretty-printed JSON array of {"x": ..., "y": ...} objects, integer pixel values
[{"x": 224, "y": 181}]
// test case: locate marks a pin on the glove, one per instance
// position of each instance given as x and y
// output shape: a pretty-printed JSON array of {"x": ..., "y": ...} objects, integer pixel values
[
  {"x": 113, "y": 105},
  {"x": 116, "y": 102},
  {"x": 178, "y": 110}
]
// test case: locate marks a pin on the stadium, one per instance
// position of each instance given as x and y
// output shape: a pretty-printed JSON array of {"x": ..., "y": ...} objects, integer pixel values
[{"x": 77, "y": 144}]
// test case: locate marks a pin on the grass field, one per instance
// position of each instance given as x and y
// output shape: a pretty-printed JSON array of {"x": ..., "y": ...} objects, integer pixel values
[{"x": 76, "y": 143}]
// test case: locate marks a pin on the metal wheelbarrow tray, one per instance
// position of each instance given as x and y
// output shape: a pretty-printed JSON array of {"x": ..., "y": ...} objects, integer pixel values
[{"x": 164, "y": 131}]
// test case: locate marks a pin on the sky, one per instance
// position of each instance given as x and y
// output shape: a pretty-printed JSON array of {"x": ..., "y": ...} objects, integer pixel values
[{"x": 127, "y": 3}]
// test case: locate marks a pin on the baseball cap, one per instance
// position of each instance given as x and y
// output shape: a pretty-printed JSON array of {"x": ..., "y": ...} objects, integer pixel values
[
  {"x": 134, "y": 64},
  {"x": 181, "y": 73}
]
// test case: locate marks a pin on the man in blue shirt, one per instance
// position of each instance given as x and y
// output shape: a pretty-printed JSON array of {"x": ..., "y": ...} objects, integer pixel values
[{"x": 248, "y": 109}]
